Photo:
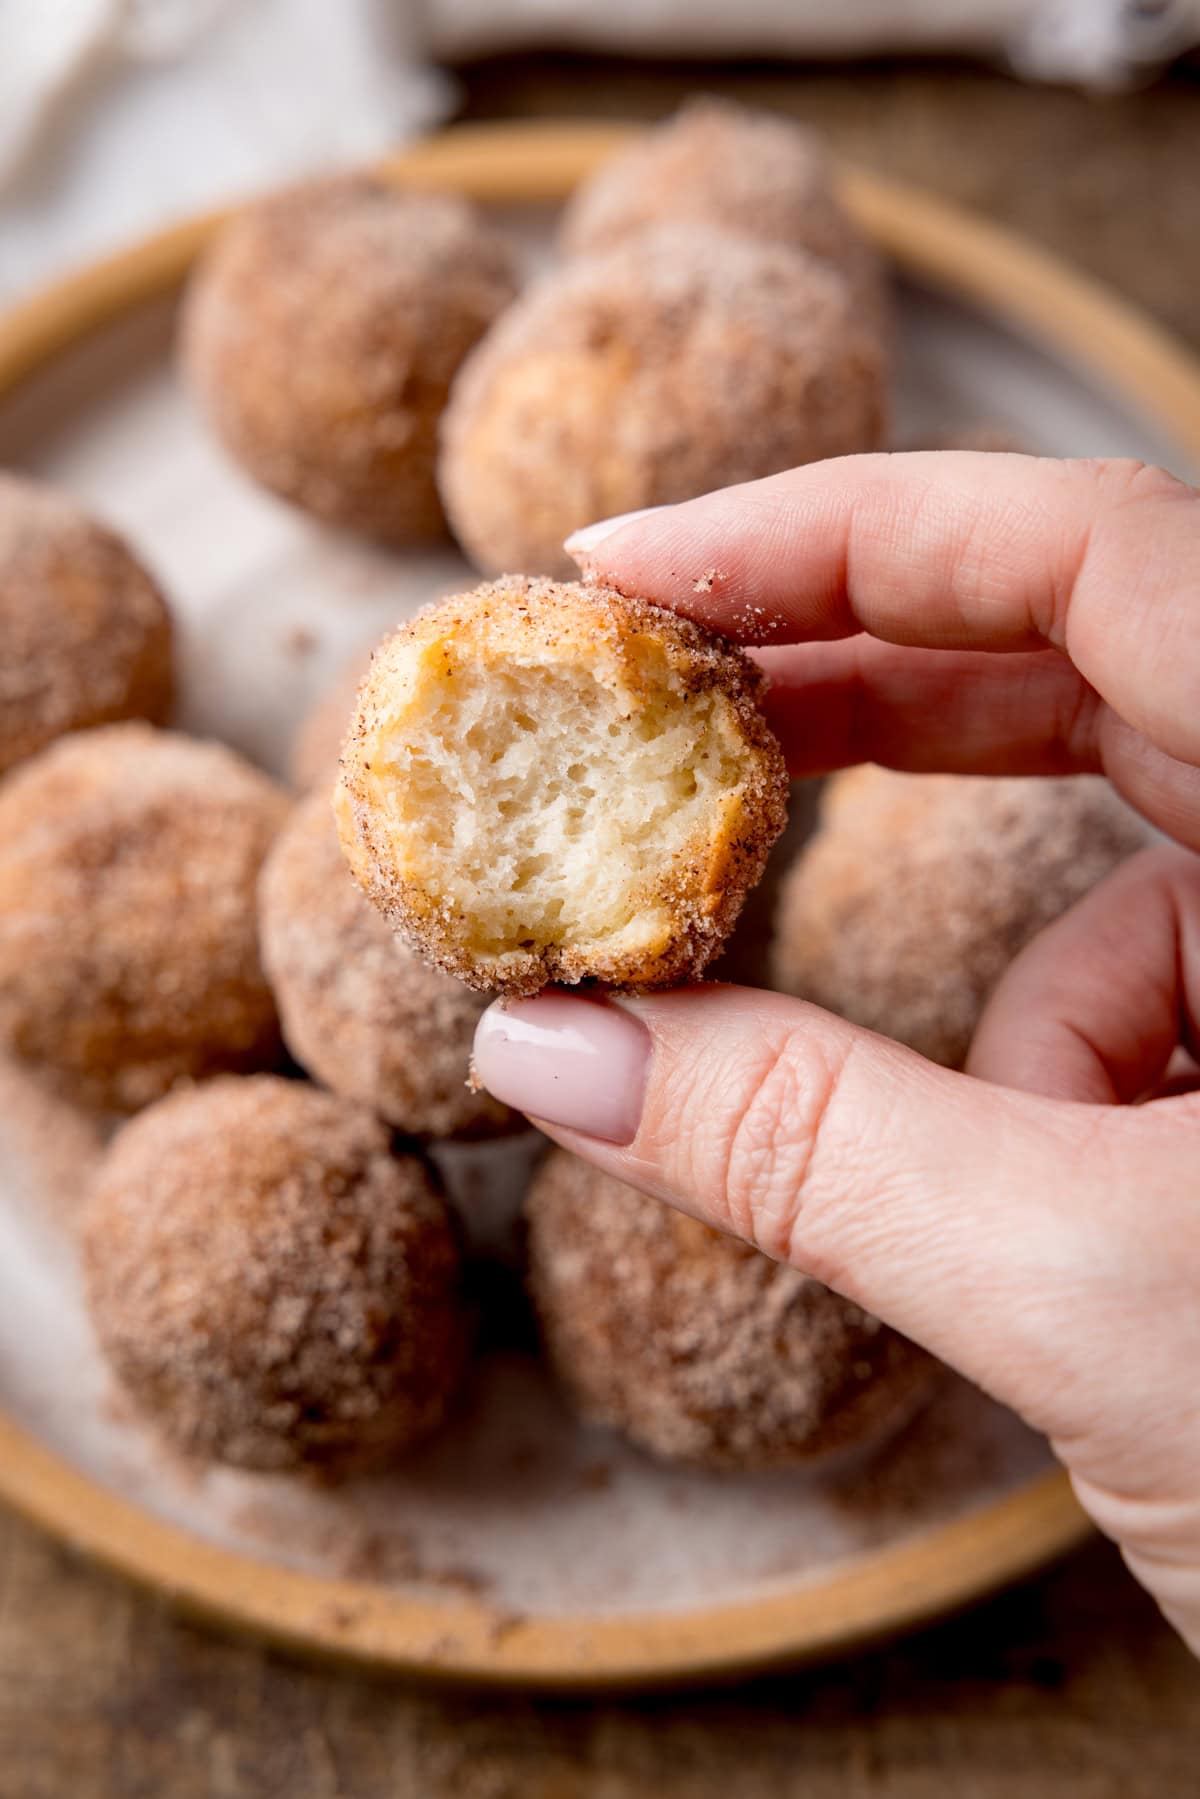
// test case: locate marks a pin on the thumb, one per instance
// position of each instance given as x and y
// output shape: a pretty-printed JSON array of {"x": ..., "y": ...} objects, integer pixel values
[{"x": 973, "y": 1219}]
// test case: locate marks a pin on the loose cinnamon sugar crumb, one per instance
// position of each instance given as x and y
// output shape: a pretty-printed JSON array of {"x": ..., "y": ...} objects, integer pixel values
[
  {"x": 274, "y": 1286},
  {"x": 697, "y": 1347},
  {"x": 300, "y": 641},
  {"x": 504, "y": 1625},
  {"x": 353, "y": 1548}
]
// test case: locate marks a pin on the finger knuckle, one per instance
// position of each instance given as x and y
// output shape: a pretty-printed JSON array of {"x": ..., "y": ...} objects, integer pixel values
[
  {"x": 1128, "y": 478},
  {"x": 1103, "y": 491},
  {"x": 772, "y": 1141}
]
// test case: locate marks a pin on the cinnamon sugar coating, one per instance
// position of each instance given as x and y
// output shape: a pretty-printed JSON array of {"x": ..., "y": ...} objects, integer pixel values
[
  {"x": 917, "y": 891},
  {"x": 685, "y": 360},
  {"x": 697, "y": 1347},
  {"x": 85, "y": 636},
  {"x": 736, "y": 169},
  {"x": 273, "y": 1286},
  {"x": 362, "y": 1011},
  {"x": 321, "y": 335},
  {"x": 554, "y": 782},
  {"x": 128, "y": 949}
]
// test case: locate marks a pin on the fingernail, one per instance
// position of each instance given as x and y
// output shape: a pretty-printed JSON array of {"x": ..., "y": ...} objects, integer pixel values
[
  {"x": 579, "y": 1063},
  {"x": 583, "y": 542}
]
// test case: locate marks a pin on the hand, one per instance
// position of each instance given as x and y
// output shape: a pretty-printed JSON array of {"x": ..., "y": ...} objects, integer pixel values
[{"x": 1026, "y": 1221}]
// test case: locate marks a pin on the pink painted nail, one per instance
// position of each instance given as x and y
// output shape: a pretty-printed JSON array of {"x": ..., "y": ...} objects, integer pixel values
[
  {"x": 581, "y": 543},
  {"x": 580, "y": 1063}
]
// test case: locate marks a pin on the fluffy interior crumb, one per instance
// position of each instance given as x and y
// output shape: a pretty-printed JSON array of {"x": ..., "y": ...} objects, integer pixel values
[{"x": 550, "y": 808}]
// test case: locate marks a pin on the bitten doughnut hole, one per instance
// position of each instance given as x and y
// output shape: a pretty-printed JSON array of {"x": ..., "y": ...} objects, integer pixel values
[
  {"x": 549, "y": 809},
  {"x": 563, "y": 784}
]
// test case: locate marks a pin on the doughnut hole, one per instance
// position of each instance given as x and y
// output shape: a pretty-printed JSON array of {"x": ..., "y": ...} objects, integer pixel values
[
  {"x": 321, "y": 334},
  {"x": 698, "y": 1348},
  {"x": 273, "y": 1285},
  {"x": 361, "y": 1010},
  {"x": 917, "y": 891},
  {"x": 550, "y": 812},
  {"x": 685, "y": 360},
  {"x": 129, "y": 956}
]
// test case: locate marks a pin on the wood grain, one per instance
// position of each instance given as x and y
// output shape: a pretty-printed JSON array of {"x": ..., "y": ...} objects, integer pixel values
[{"x": 1068, "y": 1688}]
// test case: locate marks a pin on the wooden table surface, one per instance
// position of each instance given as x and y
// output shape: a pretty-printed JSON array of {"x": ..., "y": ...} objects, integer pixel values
[{"x": 1068, "y": 1688}]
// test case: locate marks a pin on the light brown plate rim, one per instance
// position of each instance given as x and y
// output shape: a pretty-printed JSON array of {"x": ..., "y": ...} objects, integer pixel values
[
  {"x": 1076, "y": 318},
  {"x": 875, "y": 1594},
  {"x": 908, "y": 1582}
]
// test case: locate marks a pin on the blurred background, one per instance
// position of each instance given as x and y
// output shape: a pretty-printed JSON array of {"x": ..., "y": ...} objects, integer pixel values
[
  {"x": 1075, "y": 122},
  {"x": 1073, "y": 119}
]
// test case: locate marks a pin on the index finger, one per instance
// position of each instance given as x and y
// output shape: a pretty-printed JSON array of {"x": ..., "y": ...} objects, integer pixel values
[{"x": 945, "y": 550}]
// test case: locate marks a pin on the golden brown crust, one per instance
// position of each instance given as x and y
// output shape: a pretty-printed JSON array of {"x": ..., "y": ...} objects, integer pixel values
[
  {"x": 85, "y": 636},
  {"x": 128, "y": 949},
  {"x": 361, "y": 1011},
  {"x": 684, "y": 361},
  {"x": 272, "y": 1285},
  {"x": 322, "y": 333},
  {"x": 917, "y": 891},
  {"x": 736, "y": 169},
  {"x": 694, "y": 1345},
  {"x": 579, "y": 627}
]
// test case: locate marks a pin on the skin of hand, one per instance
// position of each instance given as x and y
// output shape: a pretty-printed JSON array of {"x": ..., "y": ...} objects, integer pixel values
[{"x": 1034, "y": 1221}]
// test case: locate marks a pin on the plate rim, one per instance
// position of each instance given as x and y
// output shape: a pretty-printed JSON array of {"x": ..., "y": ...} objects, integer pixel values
[
  {"x": 1025, "y": 287},
  {"x": 921, "y": 1576},
  {"x": 912, "y": 1581}
]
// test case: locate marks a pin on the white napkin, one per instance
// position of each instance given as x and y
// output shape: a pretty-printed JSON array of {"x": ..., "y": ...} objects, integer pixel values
[
  {"x": 117, "y": 115},
  {"x": 1102, "y": 43}
]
